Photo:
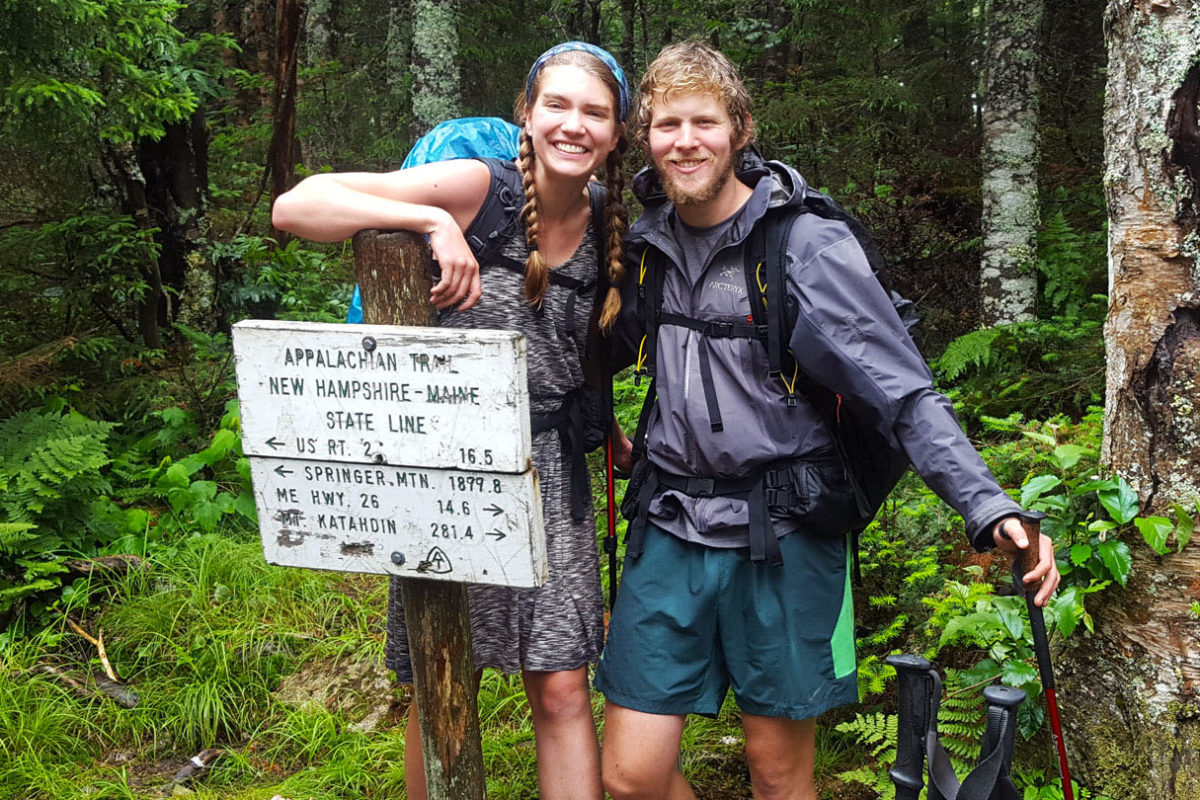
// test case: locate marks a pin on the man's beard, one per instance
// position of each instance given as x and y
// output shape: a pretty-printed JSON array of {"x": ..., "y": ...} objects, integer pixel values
[{"x": 702, "y": 194}]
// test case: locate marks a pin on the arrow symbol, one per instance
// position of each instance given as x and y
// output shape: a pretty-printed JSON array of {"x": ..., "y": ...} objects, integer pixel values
[
  {"x": 274, "y": 445},
  {"x": 495, "y": 509},
  {"x": 498, "y": 534},
  {"x": 280, "y": 471}
]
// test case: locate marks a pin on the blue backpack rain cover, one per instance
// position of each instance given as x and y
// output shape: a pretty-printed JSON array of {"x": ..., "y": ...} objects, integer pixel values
[{"x": 465, "y": 137}]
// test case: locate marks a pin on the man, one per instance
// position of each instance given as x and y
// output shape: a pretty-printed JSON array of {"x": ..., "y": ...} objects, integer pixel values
[{"x": 722, "y": 588}]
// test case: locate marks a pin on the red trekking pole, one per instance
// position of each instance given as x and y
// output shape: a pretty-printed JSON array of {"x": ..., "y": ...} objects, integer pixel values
[
  {"x": 1031, "y": 521},
  {"x": 610, "y": 541}
]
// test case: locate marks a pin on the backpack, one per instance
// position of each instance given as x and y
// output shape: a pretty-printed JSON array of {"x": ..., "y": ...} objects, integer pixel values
[
  {"x": 465, "y": 137},
  {"x": 584, "y": 418},
  {"x": 871, "y": 466}
]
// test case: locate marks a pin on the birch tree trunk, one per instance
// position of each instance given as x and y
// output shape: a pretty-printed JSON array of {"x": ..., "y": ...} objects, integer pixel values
[
  {"x": 1008, "y": 280},
  {"x": 318, "y": 31},
  {"x": 1133, "y": 713},
  {"x": 436, "y": 84}
]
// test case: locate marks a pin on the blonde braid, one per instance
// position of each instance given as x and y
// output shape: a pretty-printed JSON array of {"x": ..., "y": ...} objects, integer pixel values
[
  {"x": 537, "y": 274},
  {"x": 616, "y": 223}
]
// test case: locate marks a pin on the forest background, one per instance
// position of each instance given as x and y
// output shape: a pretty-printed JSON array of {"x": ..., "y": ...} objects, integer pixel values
[{"x": 143, "y": 142}]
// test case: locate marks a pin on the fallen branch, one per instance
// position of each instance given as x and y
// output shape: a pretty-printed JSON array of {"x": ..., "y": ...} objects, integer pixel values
[
  {"x": 104, "y": 566},
  {"x": 98, "y": 641},
  {"x": 118, "y": 692},
  {"x": 198, "y": 765}
]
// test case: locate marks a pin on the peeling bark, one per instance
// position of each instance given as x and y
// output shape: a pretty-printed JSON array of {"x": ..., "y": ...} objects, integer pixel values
[
  {"x": 1008, "y": 279},
  {"x": 1132, "y": 692}
]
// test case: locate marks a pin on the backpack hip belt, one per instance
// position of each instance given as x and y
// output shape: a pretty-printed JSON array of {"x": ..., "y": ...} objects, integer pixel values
[{"x": 768, "y": 485}]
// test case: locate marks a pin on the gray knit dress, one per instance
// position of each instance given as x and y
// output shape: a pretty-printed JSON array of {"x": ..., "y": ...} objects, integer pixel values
[{"x": 559, "y": 626}]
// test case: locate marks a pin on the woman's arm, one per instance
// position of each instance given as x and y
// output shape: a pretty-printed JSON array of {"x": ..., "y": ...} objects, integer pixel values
[{"x": 438, "y": 199}]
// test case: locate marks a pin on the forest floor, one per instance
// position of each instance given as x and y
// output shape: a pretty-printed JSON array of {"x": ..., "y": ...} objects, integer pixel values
[{"x": 280, "y": 670}]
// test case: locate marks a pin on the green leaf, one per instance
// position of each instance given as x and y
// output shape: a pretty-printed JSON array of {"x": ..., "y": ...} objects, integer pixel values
[
  {"x": 1115, "y": 555},
  {"x": 1121, "y": 502},
  {"x": 1156, "y": 531},
  {"x": 1067, "y": 609},
  {"x": 1184, "y": 526},
  {"x": 1068, "y": 455},
  {"x": 1017, "y": 673},
  {"x": 176, "y": 477},
  {"x": 1036, "y": 487},
  {"x": 1080, "y": 553},
  {"x": 1013, "y": 622}
]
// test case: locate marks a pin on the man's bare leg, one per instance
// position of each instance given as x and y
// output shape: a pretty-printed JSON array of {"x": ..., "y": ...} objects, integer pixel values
[
  {"x": 780, "y": 753},
  {"x": 640, "y": 756}
]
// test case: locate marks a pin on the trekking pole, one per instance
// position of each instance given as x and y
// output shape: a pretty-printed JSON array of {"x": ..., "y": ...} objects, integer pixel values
[
  {"x": 991, "y": 778},
  {"x": 1031, "y": 521},
  {"x": 610, "y": 541},
  {"x": 915, "y": 687}
]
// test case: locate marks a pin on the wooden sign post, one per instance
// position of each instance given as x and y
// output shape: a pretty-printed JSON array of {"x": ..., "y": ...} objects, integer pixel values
[
  {"x": 404, "y": 451},
  {"x": 394, "y": 272}
]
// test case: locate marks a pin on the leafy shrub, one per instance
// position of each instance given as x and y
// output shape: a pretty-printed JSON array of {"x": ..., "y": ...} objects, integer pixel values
[{"x": 290, "y": 282}]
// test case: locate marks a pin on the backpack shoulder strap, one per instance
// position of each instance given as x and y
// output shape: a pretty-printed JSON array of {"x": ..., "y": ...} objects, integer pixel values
[
  {"x": 766, "y": 281},
  {"x": 500, "y": 215}
]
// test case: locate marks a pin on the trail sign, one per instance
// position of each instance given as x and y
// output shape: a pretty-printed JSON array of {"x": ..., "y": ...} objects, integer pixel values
[
  {"x": 391, "y": 450},
  {"x": 455, "y": 525},
  {"x": 425, "y": 397}
]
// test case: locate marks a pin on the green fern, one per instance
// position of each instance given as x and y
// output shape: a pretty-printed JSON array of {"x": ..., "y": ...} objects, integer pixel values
[
  {"x": 53, "y": 497},
  {"x": 961, "y": 720},
  {"x": 878, "y": 733},
  {"x": 971, "y": 350}
]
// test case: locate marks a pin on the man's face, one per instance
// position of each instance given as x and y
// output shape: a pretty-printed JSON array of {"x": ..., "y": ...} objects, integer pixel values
[{"x": 691, "y": 144}]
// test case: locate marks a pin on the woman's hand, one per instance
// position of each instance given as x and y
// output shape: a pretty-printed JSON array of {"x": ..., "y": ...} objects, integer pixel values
[{"x": 459, "y": 285}]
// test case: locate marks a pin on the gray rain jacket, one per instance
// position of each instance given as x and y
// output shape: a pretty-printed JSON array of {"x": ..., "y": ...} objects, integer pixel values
[{"x": 847, "y": 337}]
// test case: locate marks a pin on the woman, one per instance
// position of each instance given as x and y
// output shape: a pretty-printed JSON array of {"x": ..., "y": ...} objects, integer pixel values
[{"x": 572, "y": 113}]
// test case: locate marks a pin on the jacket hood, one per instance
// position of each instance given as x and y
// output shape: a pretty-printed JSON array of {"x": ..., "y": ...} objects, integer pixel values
[{"x": 788, "y": 187}]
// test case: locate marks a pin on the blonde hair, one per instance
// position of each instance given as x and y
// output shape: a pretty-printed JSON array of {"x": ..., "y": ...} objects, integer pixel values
[
  {"x": 616, "y": 217},
  {"x": 686, "y": 68}
]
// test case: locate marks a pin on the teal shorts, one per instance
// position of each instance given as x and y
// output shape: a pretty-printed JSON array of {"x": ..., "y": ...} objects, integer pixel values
[{"x": 691, "y": 622}]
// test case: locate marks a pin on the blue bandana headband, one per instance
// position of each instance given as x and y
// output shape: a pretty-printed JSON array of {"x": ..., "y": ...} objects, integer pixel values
[{"x": 599, "y": 52}]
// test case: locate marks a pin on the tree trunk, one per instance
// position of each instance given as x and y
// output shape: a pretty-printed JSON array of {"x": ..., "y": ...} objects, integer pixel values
[
  {"x": 163, "y": 185},
  {"x": 281, "y": 156},
  {"x": 436, "y": 82},
  {"x": 318, "y": 32},
  {"x": 628, "y": 17},
  {"x": 398, "y": 47},
  {"x": 1008, "y": 279},
  {"x": 1133, "y": 712}
]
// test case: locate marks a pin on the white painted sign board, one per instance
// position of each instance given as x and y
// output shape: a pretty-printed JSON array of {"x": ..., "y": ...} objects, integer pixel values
[
  {"x": 427, "y": 397},
  {"x": 469, "y": 527},
  {"x": 392, "y": 450}
]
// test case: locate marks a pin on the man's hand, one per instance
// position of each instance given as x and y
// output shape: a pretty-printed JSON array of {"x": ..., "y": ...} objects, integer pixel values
[
  {"x": 1010, "y": 537},
  {"x": 622, "y": 449}
]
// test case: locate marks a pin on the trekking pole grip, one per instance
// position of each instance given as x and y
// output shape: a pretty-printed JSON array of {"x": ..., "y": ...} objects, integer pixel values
[
  {"x": 908, "y": 770},
  {"x": 1028, "y": 558}
]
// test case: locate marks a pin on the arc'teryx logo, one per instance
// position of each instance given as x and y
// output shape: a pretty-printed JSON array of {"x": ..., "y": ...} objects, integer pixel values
[{"x": 728, "y": 281}]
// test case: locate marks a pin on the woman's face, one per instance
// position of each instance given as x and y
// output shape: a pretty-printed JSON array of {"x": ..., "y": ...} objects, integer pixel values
[{"x": 572, "y": 122}]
